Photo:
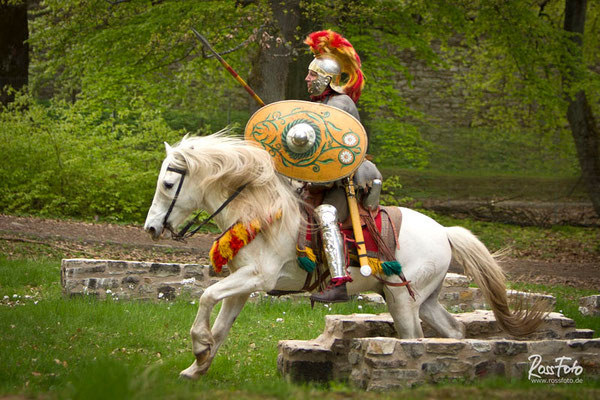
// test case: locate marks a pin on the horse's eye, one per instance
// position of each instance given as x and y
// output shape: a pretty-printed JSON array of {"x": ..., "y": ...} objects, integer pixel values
[{"x": 168, "y": 185}]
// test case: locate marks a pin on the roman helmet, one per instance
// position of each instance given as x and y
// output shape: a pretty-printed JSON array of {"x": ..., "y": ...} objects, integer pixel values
[{"x": 336, "y": 63}]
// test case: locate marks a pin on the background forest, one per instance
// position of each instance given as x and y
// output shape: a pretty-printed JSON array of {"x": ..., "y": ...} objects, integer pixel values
[{"x": 94, "y": 88}]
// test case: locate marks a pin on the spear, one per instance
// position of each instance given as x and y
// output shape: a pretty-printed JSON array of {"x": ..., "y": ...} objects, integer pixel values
[{"x": 228, "y": 68}]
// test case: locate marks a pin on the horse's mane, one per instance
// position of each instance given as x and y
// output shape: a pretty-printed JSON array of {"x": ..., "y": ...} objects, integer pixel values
[{"x": 222, "y": 163}]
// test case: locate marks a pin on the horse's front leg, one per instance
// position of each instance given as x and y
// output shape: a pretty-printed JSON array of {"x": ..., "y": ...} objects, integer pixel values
[
  {"x": 229, "y": 312},
  {"x": 236, "y": 288}
]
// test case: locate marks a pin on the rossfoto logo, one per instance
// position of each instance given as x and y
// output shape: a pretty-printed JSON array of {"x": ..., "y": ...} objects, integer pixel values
[{"x": 564, "y": 370}]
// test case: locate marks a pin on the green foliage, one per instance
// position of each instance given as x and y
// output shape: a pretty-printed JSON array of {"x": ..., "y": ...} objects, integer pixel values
[
  {"x": 108, "y": 53},
  {"x": 78, "y": 161},
  {"x": 393, "y": 193}
]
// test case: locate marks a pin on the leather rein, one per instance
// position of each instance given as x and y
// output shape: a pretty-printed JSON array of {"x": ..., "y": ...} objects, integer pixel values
[{"x": 183, "y": 233}]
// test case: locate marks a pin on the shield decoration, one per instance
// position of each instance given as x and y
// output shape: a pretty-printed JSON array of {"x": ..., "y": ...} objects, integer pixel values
[{"x": 311, "y": 142}]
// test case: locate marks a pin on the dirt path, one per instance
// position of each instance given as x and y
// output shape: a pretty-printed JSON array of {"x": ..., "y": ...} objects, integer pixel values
[{"x": 69, "y": 239}]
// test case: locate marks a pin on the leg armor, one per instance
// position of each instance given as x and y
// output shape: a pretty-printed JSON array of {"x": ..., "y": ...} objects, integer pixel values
[
  {"x": 326, "y": 216},
  {"x": 333, "y": 244}
]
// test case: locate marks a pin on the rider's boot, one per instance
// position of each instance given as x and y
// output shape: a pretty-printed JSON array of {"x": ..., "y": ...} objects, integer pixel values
[{"x": 333, "y": 244}]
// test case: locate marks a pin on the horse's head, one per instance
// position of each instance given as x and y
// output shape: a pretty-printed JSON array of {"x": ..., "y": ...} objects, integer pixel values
[
  {"x": 205, "y": 173},
  {"x": 173, "y": 200}
]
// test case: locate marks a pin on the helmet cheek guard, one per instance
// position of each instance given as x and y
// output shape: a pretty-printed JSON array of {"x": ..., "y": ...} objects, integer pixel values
[{"x": 328, "y": 74}]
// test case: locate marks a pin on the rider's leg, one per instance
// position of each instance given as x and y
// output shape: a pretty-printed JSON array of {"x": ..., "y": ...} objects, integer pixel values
[{"x": 326, "y": 216}]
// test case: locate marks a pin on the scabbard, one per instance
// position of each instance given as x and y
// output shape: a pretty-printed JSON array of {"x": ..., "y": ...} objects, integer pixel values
[{"x": 361, "y": 248}]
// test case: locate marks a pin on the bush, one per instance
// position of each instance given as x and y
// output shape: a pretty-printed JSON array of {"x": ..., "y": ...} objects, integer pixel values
[{"x": 75, "y": 160}]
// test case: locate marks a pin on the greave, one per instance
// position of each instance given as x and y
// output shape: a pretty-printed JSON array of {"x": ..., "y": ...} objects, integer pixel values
[{"x": 326, "y": 216}]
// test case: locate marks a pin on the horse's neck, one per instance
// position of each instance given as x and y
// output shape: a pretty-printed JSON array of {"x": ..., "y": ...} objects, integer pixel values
[{"x": 224, "y": 219}]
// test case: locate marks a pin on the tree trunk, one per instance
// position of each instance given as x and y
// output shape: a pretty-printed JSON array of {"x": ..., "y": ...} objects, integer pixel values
[
  {"x": 271, "y": 64},
  {"x": 14, "y": 51},
  {"x": 579, "y": 113}
]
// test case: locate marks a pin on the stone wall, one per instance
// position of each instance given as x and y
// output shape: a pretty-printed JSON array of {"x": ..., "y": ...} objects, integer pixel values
[
  {"x": 346, "y": 351},
  {"x": 389, "y": 363},
  {"x": 433, "y": 91},
  {"x": 134, "y": 279}
]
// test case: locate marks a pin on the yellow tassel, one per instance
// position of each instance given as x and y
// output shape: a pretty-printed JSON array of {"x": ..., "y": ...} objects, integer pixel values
[
  {"x": 375, "y": 265},
  {"x": 307, "y": 252},
  {"x": 255, "y": 225},
  {"x": 225, "y": 247},
  {"x": 279, "y": 214},
  {"x": 239, "y": 231}
]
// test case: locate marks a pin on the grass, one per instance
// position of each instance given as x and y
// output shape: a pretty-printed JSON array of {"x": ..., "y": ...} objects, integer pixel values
[{"x": 54, "y": 347}]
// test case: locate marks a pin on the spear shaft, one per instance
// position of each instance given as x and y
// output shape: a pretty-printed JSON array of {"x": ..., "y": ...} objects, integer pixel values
[{"x": 228, "y": 68}]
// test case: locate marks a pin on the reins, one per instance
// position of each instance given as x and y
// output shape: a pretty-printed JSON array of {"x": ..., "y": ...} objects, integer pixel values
[{"x": 183, "y": 233}]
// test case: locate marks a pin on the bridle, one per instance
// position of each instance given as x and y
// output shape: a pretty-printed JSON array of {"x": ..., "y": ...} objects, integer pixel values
[{"x": 183, "y": 233}]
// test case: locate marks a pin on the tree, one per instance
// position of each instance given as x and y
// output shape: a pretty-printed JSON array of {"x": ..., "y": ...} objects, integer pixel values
[
  {"x": 14, "y": 51},
  {"x": 586, "y": 132}
]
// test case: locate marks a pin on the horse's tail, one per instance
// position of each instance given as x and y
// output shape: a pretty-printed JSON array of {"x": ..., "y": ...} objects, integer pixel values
[{"x": 482, "y": 266}]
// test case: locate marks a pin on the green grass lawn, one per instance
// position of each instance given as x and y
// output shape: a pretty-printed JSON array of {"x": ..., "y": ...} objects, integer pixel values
[{"x": 84, "y": 348}]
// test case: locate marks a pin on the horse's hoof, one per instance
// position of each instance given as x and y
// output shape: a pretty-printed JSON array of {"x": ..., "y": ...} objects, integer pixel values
[
  {"x": 187, "y": 377},
  {"x": 190, "y": 374}
]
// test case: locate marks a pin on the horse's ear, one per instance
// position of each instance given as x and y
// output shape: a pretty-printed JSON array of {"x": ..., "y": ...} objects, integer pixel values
[{"x": 167, "y": 147}]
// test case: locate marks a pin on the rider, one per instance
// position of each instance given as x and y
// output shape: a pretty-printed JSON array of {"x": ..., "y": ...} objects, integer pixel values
[{"x": 334, "y": 78}]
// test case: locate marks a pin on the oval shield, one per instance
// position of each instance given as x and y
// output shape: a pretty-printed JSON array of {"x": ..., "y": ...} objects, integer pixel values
[{"x": 311, "y": 142}]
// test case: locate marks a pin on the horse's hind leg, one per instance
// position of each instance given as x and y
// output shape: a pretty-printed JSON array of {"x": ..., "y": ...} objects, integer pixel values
[
  {"x": 404, "y": 311},
  {"x": 438, "y": 318}
]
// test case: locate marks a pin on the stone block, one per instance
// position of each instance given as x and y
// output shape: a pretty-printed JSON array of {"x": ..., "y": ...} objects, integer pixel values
[
  {"x": 166, "y": 292},
  {"x": 85, "y": 270},
  {"x": 413, "y": 348},
  {"x": 130, "y": 281},
  {"x": 490, "y": 367},
  {"x": 456, "y": 280},
  {"x": 584, "y": 344},
  {"x": 580, "y": 334},
  {"x": 164, "y": 269},
  {"x": 444, "y": 346},
  {"x": 509, "y": 347},
  {"x": 384, "y": 362},
  {"x": 590, "y": 305},
  {"x": 381, "y": 346},
  {"x": 300, "y": 371},
  {"x": 194, "y": 271}
]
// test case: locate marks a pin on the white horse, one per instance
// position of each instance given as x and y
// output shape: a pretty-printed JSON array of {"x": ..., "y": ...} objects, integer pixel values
[{"x": 213, "y": 166}]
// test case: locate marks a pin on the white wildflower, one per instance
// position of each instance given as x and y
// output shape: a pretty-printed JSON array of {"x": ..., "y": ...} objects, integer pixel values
[
  {"x": 359, "y": 297},
  {"x": 108, "y": 291},
  {"x": 279, "y": 320},
  {"x": 160, "y": 295},
  {"x": 360, "y": 307}
]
